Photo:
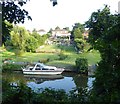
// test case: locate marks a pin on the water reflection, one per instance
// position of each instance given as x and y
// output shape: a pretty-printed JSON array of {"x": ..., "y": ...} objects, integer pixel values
[
  {"x": 38, "y": 79},
  {"x": 66, "y": 81},
  {"x": 80, "y": 80}
]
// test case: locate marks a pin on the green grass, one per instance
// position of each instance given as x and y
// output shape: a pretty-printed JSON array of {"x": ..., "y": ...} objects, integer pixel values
[
  {"x": 93, "y": 57},
  {"x": 28, "y": 57}
]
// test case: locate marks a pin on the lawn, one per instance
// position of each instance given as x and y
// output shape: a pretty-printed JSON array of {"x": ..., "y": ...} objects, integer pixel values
[{"x": 69, "y": 62}]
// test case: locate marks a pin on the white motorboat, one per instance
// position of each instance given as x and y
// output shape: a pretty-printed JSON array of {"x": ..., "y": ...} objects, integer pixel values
[{"x": 40, "y": 68}]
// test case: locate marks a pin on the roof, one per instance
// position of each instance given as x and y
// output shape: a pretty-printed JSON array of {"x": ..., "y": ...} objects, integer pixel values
[{"x": 41, "y": 30}]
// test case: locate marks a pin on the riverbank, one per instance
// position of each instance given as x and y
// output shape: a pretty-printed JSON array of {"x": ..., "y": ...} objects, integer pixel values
[{"x": 16, "y": 67}]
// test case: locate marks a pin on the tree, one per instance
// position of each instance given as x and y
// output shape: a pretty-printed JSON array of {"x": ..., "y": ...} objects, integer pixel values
[
  {"x": 41, "y": 39},
  {"x": 77, "y": 37},
  {"x": 79, "y": 43},
  {"x": 12, "y": 13},
  {"x": 67, "y": 28},
  {"x": 81, "y": 65},
  {"x": 77, "y": 27},
  {"x": 31, "y": 44},
  {"x": 77, "y": 33},
  {"x": 80, "y": 26},
  {"x": 6, "y": 28},
  {"x": 104, "y": 36},
  {"x": 54, "y": 2},
  {"x": 18, "y": 37},
  {"x": 57, "y": 28}
]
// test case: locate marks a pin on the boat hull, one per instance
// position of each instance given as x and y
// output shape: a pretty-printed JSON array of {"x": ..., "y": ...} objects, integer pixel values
[{"x": 43, "y": 72}]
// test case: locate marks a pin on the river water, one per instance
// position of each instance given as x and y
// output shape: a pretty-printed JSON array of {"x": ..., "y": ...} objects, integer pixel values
[{"x": 65, "y": 81}]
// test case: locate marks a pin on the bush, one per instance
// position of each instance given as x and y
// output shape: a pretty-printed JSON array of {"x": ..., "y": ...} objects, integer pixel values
[
  {"x": 22, "y": 94},
  {"x": 81, "y": 65},
  {"x": 10, "y": 67},
  {"x": 31, "y": 44}
]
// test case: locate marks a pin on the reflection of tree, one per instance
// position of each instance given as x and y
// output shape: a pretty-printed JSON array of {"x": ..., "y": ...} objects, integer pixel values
[
  {"x": 80, "y": 80},
  {"x": 16, "y": 79},
  {"x": 13, "y": 78}
]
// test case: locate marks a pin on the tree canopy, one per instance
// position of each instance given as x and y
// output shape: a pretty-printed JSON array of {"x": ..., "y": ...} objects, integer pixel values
[
  {"x": 12, "y": 13},
  {"x": 104, "y": 36},
  {"x": 77, "y": 36}
]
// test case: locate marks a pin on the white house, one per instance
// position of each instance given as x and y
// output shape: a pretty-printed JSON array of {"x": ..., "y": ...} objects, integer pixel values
[{"x": 60, "y": 33}]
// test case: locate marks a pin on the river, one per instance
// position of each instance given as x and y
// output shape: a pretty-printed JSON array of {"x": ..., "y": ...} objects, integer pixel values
[{"x": 66, "y": 81}]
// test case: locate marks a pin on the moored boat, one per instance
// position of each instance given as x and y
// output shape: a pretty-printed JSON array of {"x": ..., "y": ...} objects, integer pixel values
[{"x": 42, "y": 69}]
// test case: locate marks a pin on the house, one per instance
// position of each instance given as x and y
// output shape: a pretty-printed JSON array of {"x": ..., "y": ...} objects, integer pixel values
[
  {"x": 60, "y": 33},
  {"x": 61, "y": 36},
  {"x": 41, "y": 32}
]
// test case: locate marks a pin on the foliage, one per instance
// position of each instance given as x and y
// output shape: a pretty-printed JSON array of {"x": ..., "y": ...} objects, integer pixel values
[
  {"x": 16, "y": 94},
  {"x": 18, "y": 37},
  {"x": 57, "y": 28},
  {"x": 77, "y": 33},
  {"x": 10, "y": 67},
  {"x": 21, "y": 40},
  {"x": 21, "y": 94},
  {"x": 50, "y": 31},
  {"x": 79, "y": 95},
  {"x": 104, "y": 36},
  {"x": 12, "y": 13},
  {"x": 50, "y": 96},
  {"x": 82, "y": 65},
  {"x": 67, "y": 28},
  {"x": 54, "y": 2},
  {"x": 100, "y": 24},
  {"x": 41, "y": 39},
  {"x": 6, "y": 27},
  {"x": 80, "y": 44},
  {"x": 77, "y": 30},
  {"x": 31, "y": 44},
  {"x": 77, "y": 36}
]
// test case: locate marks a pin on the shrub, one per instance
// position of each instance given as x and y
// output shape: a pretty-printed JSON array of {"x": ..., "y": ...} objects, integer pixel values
[
  {"x": 10, "y": 67},
  {"x": 22, "y": 94},
  {"x": 31, "y": 44},
  {"x": 81, "y": 65}
]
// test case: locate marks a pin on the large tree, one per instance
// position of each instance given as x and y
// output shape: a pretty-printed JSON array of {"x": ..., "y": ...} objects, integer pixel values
[
  {"x": 19, "y": 36},
  {"x": 12, "y": 13},
  {"x": 104, "y": 36},
  {"x": 77, "y": 36}
]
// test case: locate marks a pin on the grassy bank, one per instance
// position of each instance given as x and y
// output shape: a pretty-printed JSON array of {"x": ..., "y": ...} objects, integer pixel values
[{"x": 69, "y": 62}]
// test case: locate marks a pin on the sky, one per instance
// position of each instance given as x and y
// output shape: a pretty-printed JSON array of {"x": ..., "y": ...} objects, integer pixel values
[{"x": 65, "y": 14}]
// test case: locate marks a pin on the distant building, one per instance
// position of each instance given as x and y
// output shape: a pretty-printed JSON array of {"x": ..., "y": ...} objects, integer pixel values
[
  {"x": 60, "y": 33},
  {"x": 61, "y": 36},
  {"x": 41, "y": 32}
]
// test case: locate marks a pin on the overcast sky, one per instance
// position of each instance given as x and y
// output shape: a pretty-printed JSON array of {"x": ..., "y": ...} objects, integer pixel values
[{"x": 65, "y": 14}]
